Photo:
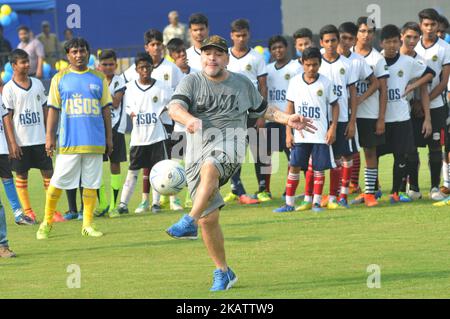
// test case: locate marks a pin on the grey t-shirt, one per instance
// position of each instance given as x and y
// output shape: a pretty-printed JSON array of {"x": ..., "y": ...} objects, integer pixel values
[{"x": 223, "y": 107}]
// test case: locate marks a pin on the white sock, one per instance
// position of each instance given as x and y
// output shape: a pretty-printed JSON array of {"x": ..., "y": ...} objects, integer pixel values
[
  {"x": 173, "y": 198},
  {"x": 445, "y": 174},
  {"x": 129, "y": 186},
  {"x": 156, "y": 197},
  {"x": 317, "y": 199},
  {"x": 308, "y": 198},
  {"x": 145, "y": 197}
]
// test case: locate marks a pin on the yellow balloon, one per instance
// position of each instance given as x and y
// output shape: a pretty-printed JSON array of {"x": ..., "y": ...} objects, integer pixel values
[
  {"x": 6, "y": 10},
  {"x": 61, "y": 65},
  {"x": 259, "y": 49}
]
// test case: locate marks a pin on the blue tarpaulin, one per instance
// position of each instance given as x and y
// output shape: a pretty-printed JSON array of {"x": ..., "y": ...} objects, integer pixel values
[
  {"x": 30, "y": 5},
  {"x": 31, "y": 13}
]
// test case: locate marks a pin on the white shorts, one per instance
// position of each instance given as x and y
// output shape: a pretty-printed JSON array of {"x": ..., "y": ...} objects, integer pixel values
[{"x": 73, "y": 168}]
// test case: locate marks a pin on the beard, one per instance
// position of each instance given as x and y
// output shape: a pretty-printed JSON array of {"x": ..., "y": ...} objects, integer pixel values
[{"x": 217, "y": 73}]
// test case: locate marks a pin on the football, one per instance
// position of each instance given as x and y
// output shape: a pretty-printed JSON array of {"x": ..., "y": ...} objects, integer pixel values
[{"x": 168, "y": 177}]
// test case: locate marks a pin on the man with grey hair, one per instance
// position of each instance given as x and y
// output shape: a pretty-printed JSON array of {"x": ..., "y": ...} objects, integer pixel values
[
  {"x": 217, "y": 101},
  {"x": 175, "y": 29}
]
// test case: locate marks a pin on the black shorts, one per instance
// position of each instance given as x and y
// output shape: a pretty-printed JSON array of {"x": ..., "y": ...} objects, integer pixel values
[
  {"x": 33, "y": 157},
  {"x": 366, "y": 132},
  {"x": 178, "y": 145},
  {"x": 342, "y": 146},
  {"x": 147, "y": 156},
  {"x": 399, "y": 139},
  {"x": 119, "y": 154},
  {"x": 419, "y": 139},
  {"x": 5, "y": 167},
  {"x": 439, "y": 122},
  {"x": 276, "y": 131}
]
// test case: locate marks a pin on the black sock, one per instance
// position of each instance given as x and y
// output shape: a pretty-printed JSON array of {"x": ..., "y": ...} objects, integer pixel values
[
  {"x": 81, "y": 196},
  {"x": 116, "y": 194},
  {"x": 435, "y": 162},
  {"x": 260, "y": 177},
  {"x": 237, "y": 188},
  {"x": 399, "y": 172},
  {"x": 412, "y": 166},
  {"x": 72, "y": 199}
]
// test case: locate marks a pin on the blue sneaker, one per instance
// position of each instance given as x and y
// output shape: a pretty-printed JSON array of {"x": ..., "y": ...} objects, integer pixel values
[
  {"x": 185, "y": 228},
  {"x": 343, "y": 203},
  {"x": 316, "y": 208},
  {"x": 284, "y": 209},
  {"x": 23, "y": 219},
  {"x": 378, "y": 194},
  {"x": 404, "y": 198},
  {"x": 80, "y": 215},
  {"x": 223, "y": 280},
  {"x": 70, "y": 215}
]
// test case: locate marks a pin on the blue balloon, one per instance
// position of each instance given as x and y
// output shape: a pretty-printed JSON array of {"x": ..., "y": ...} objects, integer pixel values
[
  {"x": 46, "y": 69},
  {"x": 266, "y": 55},
  {"x": 447, "y": 38},
  {"x": 8, "y": 68},
  {"x": 7, "y": 77},
  {"x": 6, "y": 21},
  {"x": 91, "y": 61},
  {"x": 14, "y": 17}
]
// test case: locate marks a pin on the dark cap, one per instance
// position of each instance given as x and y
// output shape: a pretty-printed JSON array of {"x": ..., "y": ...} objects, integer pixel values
[{"x": 215, "y": 41}]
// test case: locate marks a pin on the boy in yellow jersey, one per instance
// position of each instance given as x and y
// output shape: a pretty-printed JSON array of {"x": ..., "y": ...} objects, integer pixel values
[{"x": 80, "y": 97}]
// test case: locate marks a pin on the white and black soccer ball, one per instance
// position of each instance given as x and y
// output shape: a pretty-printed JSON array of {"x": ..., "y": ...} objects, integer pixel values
[{"x": 168, "y": 177}]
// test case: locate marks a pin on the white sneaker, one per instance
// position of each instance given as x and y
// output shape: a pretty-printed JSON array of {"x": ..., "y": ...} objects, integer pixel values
[
  {"x": 142, "y": 208},
  {"x": 436, "y": 195},
  {"x": 414, "y": 195},
  {"x": 176, "y": 205}
]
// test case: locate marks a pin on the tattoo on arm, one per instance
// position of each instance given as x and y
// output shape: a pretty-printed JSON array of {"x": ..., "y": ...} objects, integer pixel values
[{"x": 274, "y": 114}]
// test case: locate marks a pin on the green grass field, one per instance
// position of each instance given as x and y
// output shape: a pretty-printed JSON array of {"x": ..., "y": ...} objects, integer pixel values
[{"x": 296, "y": 255}]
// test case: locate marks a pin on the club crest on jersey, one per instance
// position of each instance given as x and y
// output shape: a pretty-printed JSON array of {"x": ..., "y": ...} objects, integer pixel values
[
  {"x": 287, "y": 77},
  {"x": 166, "y": 77},
  {"x": 155, "y": 99},
  {"x": 248, "y": 67},
  {"x": 400, "y": 73},
  {"x": 95, "y": 89},
  {"x": 434, "y": 58},
  {"x": 319, "y": 93},
  {"x": 39, "y": 98},
  {"x": 116, "y": 84},
  {"x": 342, "y": 71},
  {"x": 386, "y": 68}
]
